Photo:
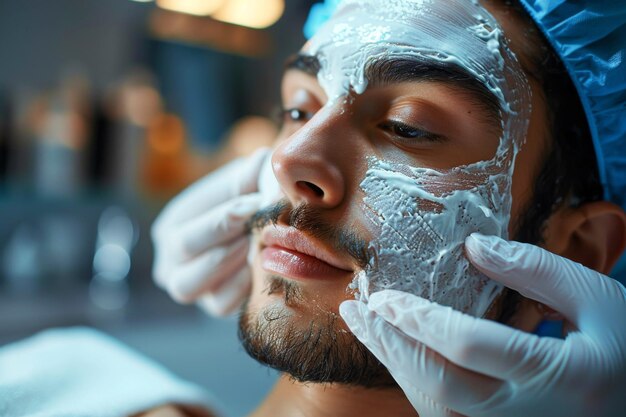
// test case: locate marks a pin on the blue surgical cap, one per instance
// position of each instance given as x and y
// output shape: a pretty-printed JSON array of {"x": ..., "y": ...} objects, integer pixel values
[
  {"x": 319, "y": 14},
  {"x": 590, "y": 38}
]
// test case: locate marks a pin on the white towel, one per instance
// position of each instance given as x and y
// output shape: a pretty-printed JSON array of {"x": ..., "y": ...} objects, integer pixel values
[{"x": 80, "y": 372}]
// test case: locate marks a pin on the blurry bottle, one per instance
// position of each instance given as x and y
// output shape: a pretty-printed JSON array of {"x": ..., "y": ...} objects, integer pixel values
[
  {"x": 30, "y": 111},
  {"x": 99, "y": 149},
  {"x": 132, "y": 106},
  {"x": 166, "y": 163},
  {"x": 61, "y": 145}
]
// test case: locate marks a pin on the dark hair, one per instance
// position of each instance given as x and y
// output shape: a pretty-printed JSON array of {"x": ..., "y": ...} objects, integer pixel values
[{"x": 568, "y": 175}]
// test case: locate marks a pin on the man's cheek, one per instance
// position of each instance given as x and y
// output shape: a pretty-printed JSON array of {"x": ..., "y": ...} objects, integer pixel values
[{"x": 423, "y": 217}]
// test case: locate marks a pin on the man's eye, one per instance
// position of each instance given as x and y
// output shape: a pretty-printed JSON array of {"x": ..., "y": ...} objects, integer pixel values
[
  {"x": 405, "y": 131},
  {"x": 296, "y": 115}
]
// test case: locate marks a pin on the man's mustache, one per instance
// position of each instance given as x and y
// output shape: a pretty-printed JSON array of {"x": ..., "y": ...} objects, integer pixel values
[{"x": 310, "y": 220}]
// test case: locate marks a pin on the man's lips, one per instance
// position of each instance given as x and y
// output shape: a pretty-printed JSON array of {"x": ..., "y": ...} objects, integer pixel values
[{"x": 289, "y": 252}]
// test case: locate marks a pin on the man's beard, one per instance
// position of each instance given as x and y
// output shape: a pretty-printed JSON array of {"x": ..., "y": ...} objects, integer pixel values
[
  {"x": 324, "y": 352},
  {"x": 309, "y": 348}
]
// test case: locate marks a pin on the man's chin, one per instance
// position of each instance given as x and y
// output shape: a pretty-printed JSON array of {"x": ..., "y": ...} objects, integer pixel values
[
  {"x": 310, "y": 345},
  {"x": 288, "y": 291}
]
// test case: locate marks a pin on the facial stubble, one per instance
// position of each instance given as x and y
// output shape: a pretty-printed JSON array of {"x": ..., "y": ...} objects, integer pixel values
[{"x": 298, "y": 337}]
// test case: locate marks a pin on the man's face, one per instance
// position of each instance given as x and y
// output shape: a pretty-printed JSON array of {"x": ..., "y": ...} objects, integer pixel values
[{"x": 439, "y": 139}]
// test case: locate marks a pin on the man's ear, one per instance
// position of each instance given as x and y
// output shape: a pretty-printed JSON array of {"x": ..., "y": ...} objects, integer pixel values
[{"x": 593, "y": 234}]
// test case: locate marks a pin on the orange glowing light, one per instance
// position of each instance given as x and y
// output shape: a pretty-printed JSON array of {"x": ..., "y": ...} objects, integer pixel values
[
  {"x": 257, "y": 14},
  {"x": 193, "y": 7}
]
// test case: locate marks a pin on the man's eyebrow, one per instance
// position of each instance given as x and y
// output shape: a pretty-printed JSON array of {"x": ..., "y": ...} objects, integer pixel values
[
  {"x": 305, "y": 63},
  {"x": 381, "y": 72}
]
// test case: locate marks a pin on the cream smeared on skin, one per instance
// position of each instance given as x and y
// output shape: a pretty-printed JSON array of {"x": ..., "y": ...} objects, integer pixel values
[{"x": 422, "y": 216}]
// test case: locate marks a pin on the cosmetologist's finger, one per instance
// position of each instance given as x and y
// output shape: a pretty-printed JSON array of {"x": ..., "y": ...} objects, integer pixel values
[
  {"x": 229, "y": 297},
  {"x": 566, "y": 286},
  {"x": 424, "y": 405},
  {"x": 207, "y": 272},
  {"x": 218, "y": 225},
  {"x": 479, "y": 345},
  {"x": 430, "y": 373}
]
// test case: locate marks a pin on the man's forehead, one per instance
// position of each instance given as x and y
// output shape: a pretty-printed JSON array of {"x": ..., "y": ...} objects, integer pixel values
[
  {"x": 409, "y": 22},
  {"x": 457, "y": 32}
]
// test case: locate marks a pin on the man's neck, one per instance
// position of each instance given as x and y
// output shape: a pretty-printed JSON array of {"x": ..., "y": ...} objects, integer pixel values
[{"x": 295, "y": 399}]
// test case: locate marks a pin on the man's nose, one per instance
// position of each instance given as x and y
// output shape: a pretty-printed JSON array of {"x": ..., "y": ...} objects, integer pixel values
[{"x": 308, "y": 165}]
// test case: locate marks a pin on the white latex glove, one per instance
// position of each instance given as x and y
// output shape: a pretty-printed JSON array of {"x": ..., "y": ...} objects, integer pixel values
[
  {"x": 452, "y": 364},
  {"x": 199, "y": 237}
]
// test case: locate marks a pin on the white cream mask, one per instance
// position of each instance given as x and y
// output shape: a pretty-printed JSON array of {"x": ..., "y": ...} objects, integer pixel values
[{"x": 422, "y": 216}]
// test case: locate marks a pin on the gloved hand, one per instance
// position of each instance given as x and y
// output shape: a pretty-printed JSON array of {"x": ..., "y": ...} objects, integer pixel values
[
  {"x": 452, "y": 364},
  {"x": 199, "y": 240}
]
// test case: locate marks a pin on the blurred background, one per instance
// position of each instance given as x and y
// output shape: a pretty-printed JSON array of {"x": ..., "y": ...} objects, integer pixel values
[{"x": 107, "y": 110}]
